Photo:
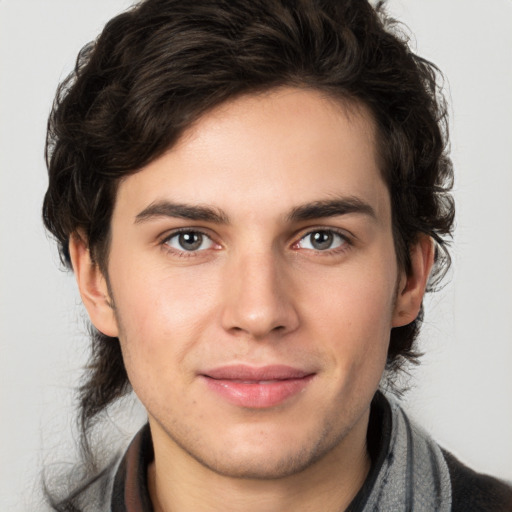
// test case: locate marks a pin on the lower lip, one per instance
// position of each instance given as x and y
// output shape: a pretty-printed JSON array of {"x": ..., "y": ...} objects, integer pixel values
[{"x": 258, "y": 395}]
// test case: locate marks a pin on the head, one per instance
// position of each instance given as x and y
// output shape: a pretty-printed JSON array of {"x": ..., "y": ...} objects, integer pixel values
[{"x": 160, "y": 69}]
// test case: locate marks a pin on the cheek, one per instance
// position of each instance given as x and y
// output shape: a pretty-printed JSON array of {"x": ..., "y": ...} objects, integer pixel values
[
  {"x": 160, "y": 319},
  {"x": 353, "y": 311},
  {"x": 354, "y": 300},
  {"x": 160, "y": 300}
]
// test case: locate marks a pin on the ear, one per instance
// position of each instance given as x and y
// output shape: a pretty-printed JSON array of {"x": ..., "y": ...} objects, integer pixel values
[
  {"x": 93, "y": 286},
  {"x": 412, "y": 286}
]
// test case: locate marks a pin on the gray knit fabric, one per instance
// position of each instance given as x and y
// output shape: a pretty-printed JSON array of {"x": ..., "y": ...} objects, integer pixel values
[{"x": 414, "y": 476}]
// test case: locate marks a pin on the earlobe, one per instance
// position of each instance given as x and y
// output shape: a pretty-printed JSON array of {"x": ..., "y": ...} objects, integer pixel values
[
  {"x": 93, "y": 286},
  {"x": 412, "y": 286}
]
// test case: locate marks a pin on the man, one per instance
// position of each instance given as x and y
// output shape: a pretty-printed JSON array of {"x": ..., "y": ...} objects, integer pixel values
[{"x": 253, "y": 197}]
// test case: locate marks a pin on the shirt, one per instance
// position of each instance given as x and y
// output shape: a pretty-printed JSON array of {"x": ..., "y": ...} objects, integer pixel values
[{"x": 409, "y": 471}]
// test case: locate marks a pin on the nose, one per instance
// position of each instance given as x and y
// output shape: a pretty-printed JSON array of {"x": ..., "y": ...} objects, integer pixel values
[{"x": 259, "y": 298}]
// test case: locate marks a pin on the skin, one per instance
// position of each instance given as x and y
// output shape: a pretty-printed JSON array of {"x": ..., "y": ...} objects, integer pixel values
[{"x": 257, "y": 291}]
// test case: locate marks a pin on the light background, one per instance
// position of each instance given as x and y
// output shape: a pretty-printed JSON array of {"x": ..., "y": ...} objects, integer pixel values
[{"x": 461, "y": 393}]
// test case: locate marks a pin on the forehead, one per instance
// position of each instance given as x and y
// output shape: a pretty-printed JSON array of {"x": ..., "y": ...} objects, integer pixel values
[{"x": 266, "y": 152}]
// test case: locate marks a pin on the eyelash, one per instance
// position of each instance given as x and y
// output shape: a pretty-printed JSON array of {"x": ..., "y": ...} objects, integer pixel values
[
  {"x": 346, "y": 241},
  {"x": 184, "y": 253}
]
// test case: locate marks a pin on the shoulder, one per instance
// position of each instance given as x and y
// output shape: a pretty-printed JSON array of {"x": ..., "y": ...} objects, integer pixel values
[{"x": 475, "y": 492}]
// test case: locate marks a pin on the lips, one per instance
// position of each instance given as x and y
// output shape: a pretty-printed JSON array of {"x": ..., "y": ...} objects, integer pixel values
[{"x": 257, "y": 387}]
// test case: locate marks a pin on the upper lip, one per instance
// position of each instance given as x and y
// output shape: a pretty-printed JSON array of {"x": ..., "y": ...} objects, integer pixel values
[{"x": 252, "y": 373}]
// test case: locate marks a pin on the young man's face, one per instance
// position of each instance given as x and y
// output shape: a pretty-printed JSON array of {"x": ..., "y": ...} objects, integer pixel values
[{"x": 255, "y": 283}]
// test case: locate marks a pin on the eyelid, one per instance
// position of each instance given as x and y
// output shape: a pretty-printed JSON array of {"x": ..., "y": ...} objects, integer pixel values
[
  {"x": 347, "y": 236},
  {"x": 176, "y": 231},
  {"x": 168, "y": 235},
  {"x": 344, "y": 233}
]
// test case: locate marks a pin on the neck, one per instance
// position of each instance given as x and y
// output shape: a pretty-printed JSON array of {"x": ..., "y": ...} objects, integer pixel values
[{"x": 179, "y": 483}]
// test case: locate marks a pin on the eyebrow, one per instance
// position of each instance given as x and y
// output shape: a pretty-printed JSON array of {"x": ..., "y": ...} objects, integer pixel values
[
  {"x": 308, "y": 211},
  {"x": 331, "y": 208},
  {"x": 181, "y": 211}
]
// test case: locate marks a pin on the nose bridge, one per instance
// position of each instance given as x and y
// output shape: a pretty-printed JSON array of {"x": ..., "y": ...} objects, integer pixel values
[{"x": 258, "y": 299}]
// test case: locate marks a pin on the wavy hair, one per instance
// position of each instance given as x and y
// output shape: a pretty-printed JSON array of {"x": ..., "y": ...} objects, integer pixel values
[{"x": 158, "y": 67}]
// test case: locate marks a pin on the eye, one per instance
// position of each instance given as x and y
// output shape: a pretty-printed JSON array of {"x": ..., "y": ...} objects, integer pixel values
[
  {"x": 189, "y": 241},
  {"x": 322, "y": 240}
]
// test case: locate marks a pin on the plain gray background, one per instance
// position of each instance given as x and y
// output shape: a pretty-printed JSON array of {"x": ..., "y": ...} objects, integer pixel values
[{"x": 462, "y": 391}]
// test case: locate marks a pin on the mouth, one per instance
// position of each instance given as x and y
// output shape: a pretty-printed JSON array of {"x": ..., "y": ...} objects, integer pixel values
[{"x": 257, "y": 387}]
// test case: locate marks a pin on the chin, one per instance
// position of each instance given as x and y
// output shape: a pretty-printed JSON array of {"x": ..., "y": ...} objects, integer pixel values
[
  {"x": 269, "y": 459},
  {"x": 265, "y": 466}
]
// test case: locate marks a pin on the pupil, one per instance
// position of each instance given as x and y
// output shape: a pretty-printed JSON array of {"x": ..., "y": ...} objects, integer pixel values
[
  {"x": 322, "y": 240},
  {"x": 190, "y": 241}
]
